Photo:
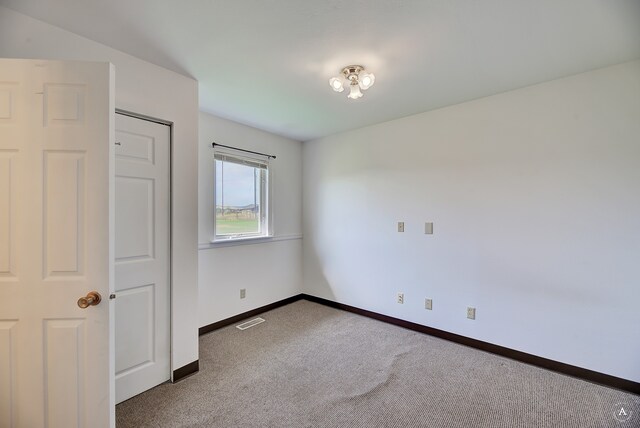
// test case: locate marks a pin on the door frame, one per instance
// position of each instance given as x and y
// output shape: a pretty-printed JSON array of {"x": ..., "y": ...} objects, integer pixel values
[{"x": 170, "y": 279}]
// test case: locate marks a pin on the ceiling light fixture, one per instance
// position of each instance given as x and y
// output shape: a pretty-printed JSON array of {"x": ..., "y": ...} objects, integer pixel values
[{"x": 358, "y": 79}]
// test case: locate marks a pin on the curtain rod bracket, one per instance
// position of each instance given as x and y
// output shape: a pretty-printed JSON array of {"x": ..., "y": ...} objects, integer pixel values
[{"x": 243, "y": 150}]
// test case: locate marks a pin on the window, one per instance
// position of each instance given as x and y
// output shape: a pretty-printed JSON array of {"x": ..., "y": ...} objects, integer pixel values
[{"x": 241, "y": 195}]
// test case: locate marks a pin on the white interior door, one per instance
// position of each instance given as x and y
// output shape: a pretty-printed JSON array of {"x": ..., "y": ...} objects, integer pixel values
[
  {"x": 56, "y": 220},
  {"x": 142, "y": 256}
]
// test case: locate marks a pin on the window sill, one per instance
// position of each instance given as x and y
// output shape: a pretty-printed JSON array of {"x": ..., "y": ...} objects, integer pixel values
[
  {"x": 242, "y": 239},
  {"x": 247, "y": 241}
]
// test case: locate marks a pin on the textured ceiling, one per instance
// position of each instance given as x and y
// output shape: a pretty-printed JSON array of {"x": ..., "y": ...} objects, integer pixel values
[{"x": 266, "y": 63}]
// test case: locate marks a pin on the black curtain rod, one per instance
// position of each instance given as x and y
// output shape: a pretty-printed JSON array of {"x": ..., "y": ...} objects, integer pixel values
[{"x": 243, "y": 150}]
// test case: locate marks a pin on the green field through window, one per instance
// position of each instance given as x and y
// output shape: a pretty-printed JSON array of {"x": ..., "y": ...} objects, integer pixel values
[{"x": 231, "y": 225}]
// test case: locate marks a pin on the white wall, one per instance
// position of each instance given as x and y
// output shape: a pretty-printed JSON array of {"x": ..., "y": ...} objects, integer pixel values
[
  {"x": 153, "y": 91},
  {"x": 535, "y": 199},
  {"x": 270, "y": 270}
]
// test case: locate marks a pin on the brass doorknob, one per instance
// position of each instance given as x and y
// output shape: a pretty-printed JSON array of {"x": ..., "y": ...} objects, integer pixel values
[{"x": 92, "y": 299}]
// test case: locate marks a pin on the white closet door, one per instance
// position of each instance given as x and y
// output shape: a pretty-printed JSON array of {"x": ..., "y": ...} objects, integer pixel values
[{"x": 142, "y": 255}]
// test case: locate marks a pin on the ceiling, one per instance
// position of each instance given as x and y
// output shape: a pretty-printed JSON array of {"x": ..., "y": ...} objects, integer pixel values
[{"x": 266, "y": 63}]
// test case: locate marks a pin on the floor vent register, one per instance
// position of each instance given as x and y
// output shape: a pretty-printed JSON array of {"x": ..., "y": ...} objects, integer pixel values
[{"x": 248, "y": 324}]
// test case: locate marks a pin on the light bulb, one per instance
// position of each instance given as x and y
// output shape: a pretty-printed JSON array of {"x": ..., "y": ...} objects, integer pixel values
[
  {"x": 336, "y": 84},
  {"x": 354, "y": 92},
  {"x": 366, "y": 80}
]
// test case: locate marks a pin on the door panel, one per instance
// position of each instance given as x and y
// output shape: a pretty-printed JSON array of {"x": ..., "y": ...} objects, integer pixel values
[
  {"x": 64, "y": 213},
  {"x": 64, "y": 355},
  {"x": 8, "y": 207},
  {"x": 135, "y": 312},
  {"x": 8, "y": 403},
  {"x": 56, "y": 185},
  {"x": 135, "y": 218},
  {"x": 142, "y": 256}
]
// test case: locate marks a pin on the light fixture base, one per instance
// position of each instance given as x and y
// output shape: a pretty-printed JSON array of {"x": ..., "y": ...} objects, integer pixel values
[
  {"x": 351, "y": 72},
  {"x": 355, "y": 77}
]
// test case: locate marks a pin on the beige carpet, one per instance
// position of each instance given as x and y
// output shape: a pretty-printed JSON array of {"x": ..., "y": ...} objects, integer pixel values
[{"x": 313, "y": 366}]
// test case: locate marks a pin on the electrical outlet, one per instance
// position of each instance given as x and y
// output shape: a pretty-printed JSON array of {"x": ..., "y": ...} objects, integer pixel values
[
  {"x": 401, "y": 298},
  {"x": 401, "y": 226},
  {"x": 428, "y": 304},
  {"x": 243, "y": 293},
  {"x": 471, "y": 313},
  {"x": 428, "y": 228}
]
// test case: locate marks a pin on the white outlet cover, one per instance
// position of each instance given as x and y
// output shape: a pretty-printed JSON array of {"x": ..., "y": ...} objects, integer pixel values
[
  {"x": 428, "y": 228},
  {"x": 428, "y": 304}
]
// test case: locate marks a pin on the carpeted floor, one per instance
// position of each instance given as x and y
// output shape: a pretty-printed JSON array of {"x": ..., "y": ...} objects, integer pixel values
[{"x": 313, "y": 366}]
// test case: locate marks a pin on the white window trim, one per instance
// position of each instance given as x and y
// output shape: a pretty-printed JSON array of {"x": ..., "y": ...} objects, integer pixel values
[{"x": 265, "y": 199}]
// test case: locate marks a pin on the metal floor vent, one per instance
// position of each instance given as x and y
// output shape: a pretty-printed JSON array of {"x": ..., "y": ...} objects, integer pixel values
[{"x": 250, "y": 323}]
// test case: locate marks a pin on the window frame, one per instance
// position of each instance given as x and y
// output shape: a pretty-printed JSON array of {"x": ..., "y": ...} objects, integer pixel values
[{"x": 266, "y": 205}]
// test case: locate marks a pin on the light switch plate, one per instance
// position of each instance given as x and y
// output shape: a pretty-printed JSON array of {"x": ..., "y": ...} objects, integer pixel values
[
  {"x": 428, "y": 228},
  {"x": 401, "y": 226},
  {"x": 428, "y": 304},
  {"x": 471, "y": 313}
]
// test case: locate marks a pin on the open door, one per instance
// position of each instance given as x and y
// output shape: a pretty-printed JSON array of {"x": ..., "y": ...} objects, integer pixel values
[{"x": 56, "y": 244}]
